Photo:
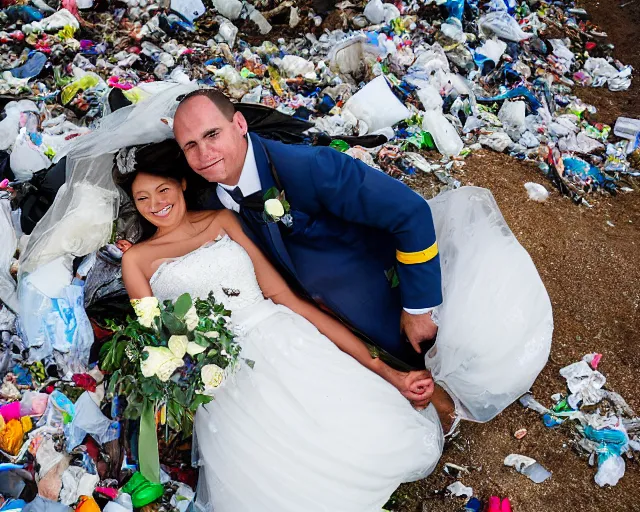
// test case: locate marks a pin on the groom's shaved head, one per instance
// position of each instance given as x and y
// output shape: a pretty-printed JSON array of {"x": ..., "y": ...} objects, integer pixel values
[
  {"x": 221, "y": 102},
  {"x": 212, "y": 135}
]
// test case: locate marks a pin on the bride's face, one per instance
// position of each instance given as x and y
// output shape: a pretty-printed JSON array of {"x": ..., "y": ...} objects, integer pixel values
[{"x": 159, "y": 199}]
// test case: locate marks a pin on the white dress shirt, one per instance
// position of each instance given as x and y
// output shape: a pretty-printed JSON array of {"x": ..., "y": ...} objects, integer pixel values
[{"x": 249, "y": 183}]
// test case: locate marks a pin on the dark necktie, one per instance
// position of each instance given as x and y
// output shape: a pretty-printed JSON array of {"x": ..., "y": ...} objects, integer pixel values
[
  {"x": 253, "y": 201},
  {"x": 236, "y": 194}
]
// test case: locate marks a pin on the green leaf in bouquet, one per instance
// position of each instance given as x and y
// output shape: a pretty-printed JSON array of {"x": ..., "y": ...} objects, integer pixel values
[
  {"x": 199, "y": 400},
  {"x": 175, "y": 414},
  {"x": 187, "y": 423},
  {"x": 119, "y": 353},
  {"x": 134, "y": 407},
  {"x": 173, "y": 324},
  {"x": 180, "y": 396},
  {"x": 104, "y": 350},
  {"x": 201, "y": 339},
  {"x": 114, "y": 380},
  {"x": 182, "y": 306},
  {"x": 152, "y": 388}
]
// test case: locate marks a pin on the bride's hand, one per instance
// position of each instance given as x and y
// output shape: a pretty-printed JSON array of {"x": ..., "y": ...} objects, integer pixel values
[{"x": 416, "y": 386}]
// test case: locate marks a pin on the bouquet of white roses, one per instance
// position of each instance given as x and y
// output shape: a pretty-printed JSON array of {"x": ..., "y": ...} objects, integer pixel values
[{"x": 174, "y": 355}]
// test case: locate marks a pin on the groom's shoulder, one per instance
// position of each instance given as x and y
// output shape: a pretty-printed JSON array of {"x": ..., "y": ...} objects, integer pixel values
[{"x": 289, "y": 153}]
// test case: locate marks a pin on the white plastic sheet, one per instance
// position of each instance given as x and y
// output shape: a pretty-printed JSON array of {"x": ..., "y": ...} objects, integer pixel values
[
  {"x": 502, "y": 25},
  {"x": 444, "y": 134},
  {"x": 376, "y": 106}
]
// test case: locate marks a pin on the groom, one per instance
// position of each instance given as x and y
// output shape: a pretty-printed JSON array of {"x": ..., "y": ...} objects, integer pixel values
[{"x": 355, "y": 240}]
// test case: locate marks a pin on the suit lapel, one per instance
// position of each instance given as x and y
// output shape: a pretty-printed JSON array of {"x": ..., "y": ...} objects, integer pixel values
[
  {"x": 272, "y": 230},
  {"x": 262, "y": 163}
]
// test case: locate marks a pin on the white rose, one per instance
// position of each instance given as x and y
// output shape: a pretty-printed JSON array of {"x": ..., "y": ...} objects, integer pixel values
[
  {"x": 161, "y": 363},
  {"x": 191, "y": 319},
  {"x": 147, "y": 309},
  {"x": 212, "y": 334},
  {"x": 178, "y": 345},
  {"x": 193, "y": 349},
  {"x": 274, "y": 208},
  {"x": 212, "y": 376}
]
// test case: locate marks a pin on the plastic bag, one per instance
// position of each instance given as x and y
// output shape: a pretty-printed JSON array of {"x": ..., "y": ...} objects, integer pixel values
[
  {"x": 77, "y": 482},
  {"x": 9, "y": 127},
  {"x": 89, "y": 419},
  {"x": 536, "y": 192},
  {"x": 7, "y": 250},
  {"x": 58, "y": 407},
  {"x": 444, "y": 134},
  {"x": 27, "y": 158},
  {"x": 503, "y": 25},
  {"x": 527, "y": 466},
  {"x": 584, "y": 384},
  {"x": 230, "y": 9},
  {"x": 59, "y": 324},
  {"x": 40, "y": 504},
  {"x": 294, "y": 66},
  {"x": 512, "y": 115},
  {"x": 376, "y": 106},
  {"x": 498, "y": 141},
  {"x": 610, "y": 471},
  {"x": 378, "y": 12},
  {"x": 492, "y": 49},
  {"x": 33, "y": 403}
]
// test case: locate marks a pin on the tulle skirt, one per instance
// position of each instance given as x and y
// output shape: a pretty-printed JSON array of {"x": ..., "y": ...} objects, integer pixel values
[
  {"x": 308, "y": 428},
  {"x": 495, "y": 322}
]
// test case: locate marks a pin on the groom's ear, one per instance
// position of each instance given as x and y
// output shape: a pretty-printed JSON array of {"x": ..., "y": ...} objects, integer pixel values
[{"x": 241, "y": 122}]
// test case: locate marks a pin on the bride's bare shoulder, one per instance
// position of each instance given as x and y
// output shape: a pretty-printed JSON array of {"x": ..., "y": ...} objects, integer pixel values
[{"x": 139, "y": 254}]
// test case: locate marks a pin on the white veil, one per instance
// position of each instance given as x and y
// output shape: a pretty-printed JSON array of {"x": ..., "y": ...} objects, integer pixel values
[{"x": 80, "y": 220}]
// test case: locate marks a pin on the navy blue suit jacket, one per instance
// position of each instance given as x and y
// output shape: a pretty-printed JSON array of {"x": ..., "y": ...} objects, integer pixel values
[{"x": 351, "y": 225}]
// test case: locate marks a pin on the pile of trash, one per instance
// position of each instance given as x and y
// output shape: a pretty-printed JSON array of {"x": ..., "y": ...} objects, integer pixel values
[
  {"x": 453, "y": 76},
  {"x": 601, "y": 424},
  {"x": 407, "y": 87}
]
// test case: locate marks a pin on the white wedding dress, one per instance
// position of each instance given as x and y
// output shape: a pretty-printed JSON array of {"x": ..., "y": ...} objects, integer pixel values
[{"x": 309, "y": 428}]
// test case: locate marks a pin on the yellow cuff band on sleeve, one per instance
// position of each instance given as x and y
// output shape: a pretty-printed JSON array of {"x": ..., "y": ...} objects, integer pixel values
[{"x": 411, "y": 258}]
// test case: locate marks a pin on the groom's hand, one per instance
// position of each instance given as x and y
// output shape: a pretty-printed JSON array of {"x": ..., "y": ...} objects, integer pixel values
[
  {"x": 418, "y": 329},
  {"x": 417, "y": 387}
]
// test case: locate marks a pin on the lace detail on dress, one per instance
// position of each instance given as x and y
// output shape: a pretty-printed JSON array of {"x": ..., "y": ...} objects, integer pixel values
[{"x": 221, "y": 267}]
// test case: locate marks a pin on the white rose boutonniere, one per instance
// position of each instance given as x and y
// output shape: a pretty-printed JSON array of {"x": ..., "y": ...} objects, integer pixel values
[
  {"x": 147, "y": 310},
  {"x": 276, "y": 207}
]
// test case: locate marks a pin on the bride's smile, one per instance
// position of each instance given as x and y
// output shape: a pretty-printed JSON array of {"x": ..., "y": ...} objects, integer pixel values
[{"x": 164, "y": 212}]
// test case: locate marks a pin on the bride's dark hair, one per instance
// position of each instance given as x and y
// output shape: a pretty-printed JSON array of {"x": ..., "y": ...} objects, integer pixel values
[{"x": 164, "y": 159}]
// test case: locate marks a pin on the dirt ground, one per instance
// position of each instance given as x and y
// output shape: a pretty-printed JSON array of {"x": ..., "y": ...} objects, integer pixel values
[{"x": 592, "y": 272}]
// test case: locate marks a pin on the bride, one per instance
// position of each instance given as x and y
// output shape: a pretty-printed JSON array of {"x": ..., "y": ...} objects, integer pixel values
[{"x": 318, "y": 424}]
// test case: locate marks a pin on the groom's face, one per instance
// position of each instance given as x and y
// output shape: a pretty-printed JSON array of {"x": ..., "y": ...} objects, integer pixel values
[{"x": 214, "y": 145}]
